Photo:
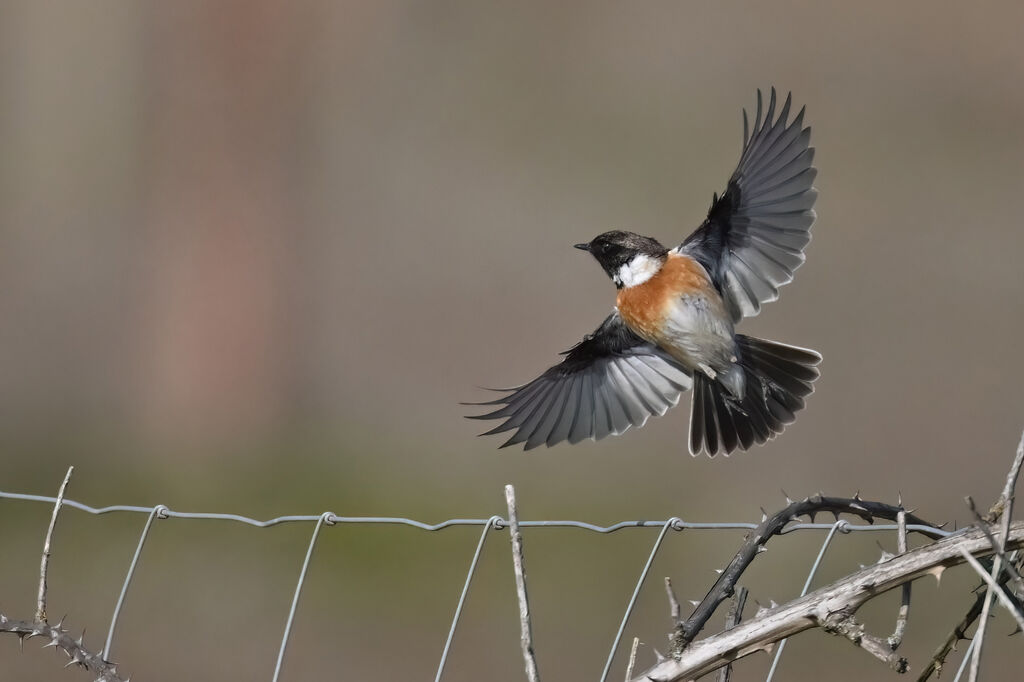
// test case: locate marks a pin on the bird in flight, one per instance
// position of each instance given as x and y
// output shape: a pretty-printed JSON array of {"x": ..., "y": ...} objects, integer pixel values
[{"x": 672, "y": 328}]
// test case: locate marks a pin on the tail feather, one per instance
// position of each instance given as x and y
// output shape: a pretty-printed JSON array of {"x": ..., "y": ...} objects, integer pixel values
[{"x": 777, "y": 379}]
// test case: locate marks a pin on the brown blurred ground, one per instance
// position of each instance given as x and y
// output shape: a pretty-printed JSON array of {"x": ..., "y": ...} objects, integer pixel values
[{"x": 252, "y": 255}]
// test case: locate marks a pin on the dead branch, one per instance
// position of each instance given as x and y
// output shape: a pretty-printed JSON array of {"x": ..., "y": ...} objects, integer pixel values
[
  {"x": 844, "y": 624},
  {"x": 896, "y": 638},
  {"x": 815, "y": 609}
]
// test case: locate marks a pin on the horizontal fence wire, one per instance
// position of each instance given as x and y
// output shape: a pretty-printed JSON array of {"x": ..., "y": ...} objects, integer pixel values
[{"x": 163, "y": 512}]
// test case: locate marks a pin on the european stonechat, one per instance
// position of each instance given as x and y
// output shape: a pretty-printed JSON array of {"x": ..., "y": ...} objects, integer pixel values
[{"x": 672, "y": 328}]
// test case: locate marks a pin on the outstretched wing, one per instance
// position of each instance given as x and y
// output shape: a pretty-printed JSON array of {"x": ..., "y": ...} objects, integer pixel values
[
  {"x": 755, "y": 233},
  {"x": 608, "y": 382}
]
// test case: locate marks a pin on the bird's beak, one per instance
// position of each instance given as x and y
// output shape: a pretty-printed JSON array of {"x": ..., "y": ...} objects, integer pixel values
[{"x": 582, "y": 247}]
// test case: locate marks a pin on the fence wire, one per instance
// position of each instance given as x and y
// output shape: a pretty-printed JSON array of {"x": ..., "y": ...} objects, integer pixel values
[{"x": 327, "y": 518}]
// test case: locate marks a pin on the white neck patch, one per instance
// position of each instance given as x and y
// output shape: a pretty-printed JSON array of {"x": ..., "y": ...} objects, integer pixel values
[{"x": 637, "y": 271}]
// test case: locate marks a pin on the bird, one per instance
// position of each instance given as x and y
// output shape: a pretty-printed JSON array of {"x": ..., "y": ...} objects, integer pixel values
[{"x": 672, "y": 328}]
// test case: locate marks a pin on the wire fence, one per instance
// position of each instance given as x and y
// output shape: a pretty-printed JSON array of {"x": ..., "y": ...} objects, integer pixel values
[{"x": 161, "y": 512}]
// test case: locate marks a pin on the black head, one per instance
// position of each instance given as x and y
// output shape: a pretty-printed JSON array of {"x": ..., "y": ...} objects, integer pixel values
[{"x": 617, "y": 248}]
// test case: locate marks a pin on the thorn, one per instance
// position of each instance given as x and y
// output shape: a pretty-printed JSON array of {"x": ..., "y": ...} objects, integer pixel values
[
  {"x": 764, "y": 514},
  {"x": 937, "y": 572},
  {"x": 812, "y": 515},
  {"x": 899, "y": 498},
  {"x": 786, "y": 495},
  {"x": 81, "y": 640},
  {"x": 761, "y": 549},
  {"x": 858, "y": 507},
  {"x": 694, "y": 602},
  {"x": 21, "y": 641},
  {"x": 794, "y": 518},
  {"x": 885, "y": 557},
  {"x": 856, "y": 496},
  {"x": 718, "y": 571},
  {"x": 761, "y": 610},
  {"x": 52, "y": 642},
  {"x": 658, "y": 655},
  {"x": 773, "y": 604},
  {"x": 836, "y": 514},
  {"x": 3, "y": 618},
  {"x": 60, "y": 623},
  {"x": 768, "y": 648}
]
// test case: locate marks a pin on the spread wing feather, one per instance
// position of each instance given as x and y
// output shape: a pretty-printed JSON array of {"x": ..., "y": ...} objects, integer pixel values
[
  {"x": 608, "y": 382},
  {"x": 755, "y": 233}
]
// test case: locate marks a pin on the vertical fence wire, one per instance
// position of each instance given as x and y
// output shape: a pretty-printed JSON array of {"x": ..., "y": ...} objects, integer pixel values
[
  {"x": 968, "y": 655},
  {"x": 838, "y": 525},
  {"x": 325, "y": 518},
  {"x": 462, "y": 597},
  {"x": 157, "y": 512},
  {"x": 636, "y": 592}
]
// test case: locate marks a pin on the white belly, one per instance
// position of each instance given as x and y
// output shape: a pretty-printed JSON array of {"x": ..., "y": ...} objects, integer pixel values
[{"x": 697, "y": 332}]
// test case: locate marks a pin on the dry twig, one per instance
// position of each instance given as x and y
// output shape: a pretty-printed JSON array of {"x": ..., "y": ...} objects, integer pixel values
[
  {"x": 632, "y": 658},
  {"x": 526, "y": 631},
  {"x": 44, "y": 564},
  {"x": 673, "y": 603},
  {"x": 1002, "y": 508}
]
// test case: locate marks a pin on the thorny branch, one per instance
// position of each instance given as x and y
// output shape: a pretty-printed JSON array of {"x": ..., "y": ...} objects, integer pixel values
[
  {"x": 833, "y": 608},
  {"x": 57, "y": 636},
  {"x": 814, "y": 609},
  {"x": 773, "y": 525}
]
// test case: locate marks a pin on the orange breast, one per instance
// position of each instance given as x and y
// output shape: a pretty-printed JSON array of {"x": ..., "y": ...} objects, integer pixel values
[{"x": 645, "y": 306}]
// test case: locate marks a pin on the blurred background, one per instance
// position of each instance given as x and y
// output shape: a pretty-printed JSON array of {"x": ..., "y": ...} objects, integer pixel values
[{"x": 253, "y": 254}]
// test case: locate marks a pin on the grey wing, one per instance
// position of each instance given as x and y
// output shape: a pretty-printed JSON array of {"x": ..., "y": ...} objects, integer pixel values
[
  {"x": 755, "y": 233},
  {"x": 608, "y": 382}
]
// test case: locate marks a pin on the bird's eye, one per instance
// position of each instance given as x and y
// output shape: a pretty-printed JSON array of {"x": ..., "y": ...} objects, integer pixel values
[{"x": 606, "y": 247}]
